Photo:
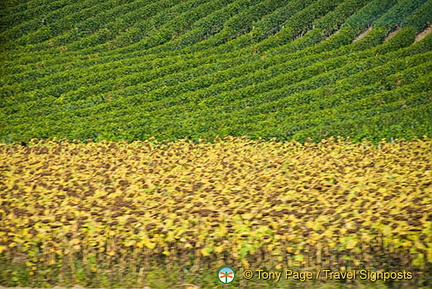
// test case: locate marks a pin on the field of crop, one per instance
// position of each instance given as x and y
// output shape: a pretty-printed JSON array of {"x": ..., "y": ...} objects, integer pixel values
[
  {"x": 134, "y": 69},
  {"x": 148, "y": 143},
  {"x": 114, "y": 212}
]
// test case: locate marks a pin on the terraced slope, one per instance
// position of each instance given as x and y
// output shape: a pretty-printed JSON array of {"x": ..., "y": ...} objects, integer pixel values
[{"x": 199, "y": 69}]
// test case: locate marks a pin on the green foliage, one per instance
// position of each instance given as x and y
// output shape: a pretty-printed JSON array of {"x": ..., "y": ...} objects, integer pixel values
[
  {"x": 174, "y": 69},
  {"x": 367, "y": 15},
  {"x": 396, "y": 15},
  {"x": 420, "y": 18}
]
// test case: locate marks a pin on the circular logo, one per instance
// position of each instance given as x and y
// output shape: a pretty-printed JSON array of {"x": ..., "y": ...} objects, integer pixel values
[{"x": 226, "y": 275}]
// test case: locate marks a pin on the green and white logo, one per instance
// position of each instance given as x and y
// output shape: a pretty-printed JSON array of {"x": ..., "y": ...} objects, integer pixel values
[{"x": 226, "y": 275}]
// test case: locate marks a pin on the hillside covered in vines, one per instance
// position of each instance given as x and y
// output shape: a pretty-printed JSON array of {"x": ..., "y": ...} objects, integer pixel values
[{"x": 135, "y": 69}]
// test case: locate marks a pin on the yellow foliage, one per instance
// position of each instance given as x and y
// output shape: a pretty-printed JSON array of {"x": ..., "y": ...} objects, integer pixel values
[{"x": 236, "y": 197}]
